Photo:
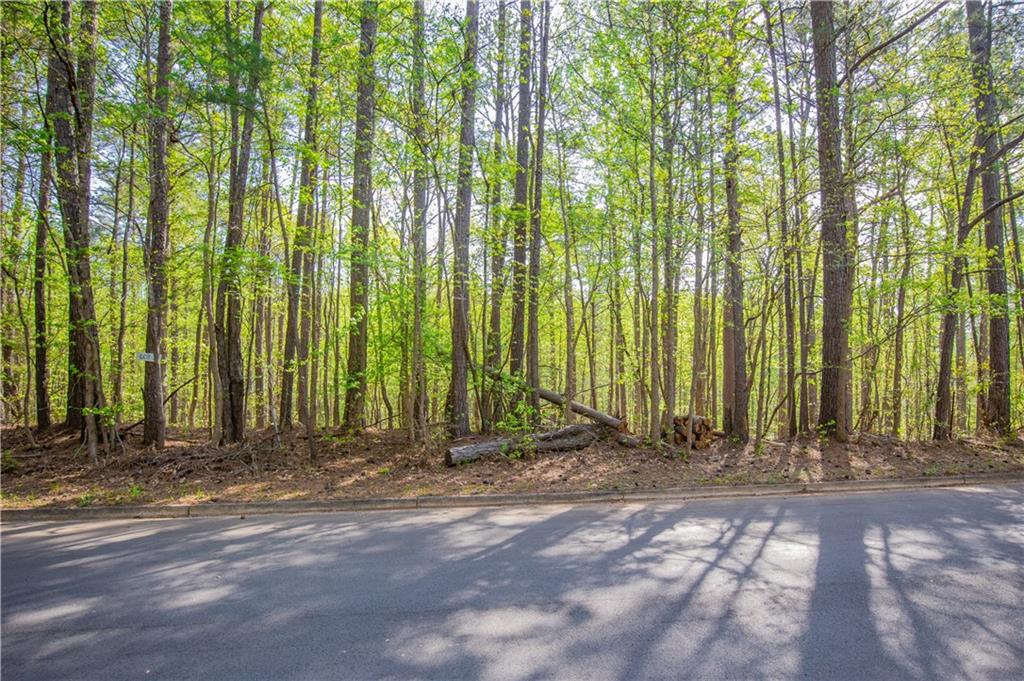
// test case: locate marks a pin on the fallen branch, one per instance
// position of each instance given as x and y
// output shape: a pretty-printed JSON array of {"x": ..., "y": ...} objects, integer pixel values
[{"x": 583, "y": 410}]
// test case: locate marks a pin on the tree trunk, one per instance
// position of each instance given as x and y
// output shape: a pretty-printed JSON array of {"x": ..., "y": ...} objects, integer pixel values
[
  {"x": 458, "y": 403},
  {"x": 789, "y": 397},
  {"x": 997, "y": 406},
  {"x": 229, "y": 294},
  {"x": 564, "y": 439},
  {"x": 835, "y": 248},
  {"x": 154, "y": 429},
  {"x": 362, "y": 196},
  {"x": 533, "y": 331},
  {"x": 70, "y": 110},
  {"x": 296, "y": 353},
  {"x": 736, "y": 393},
  {"x": 520, "y": 210},
  {"x": 491, "y": 407},
  {"x": 42, "y": 376},
  {"x": 419, "y": 230}
]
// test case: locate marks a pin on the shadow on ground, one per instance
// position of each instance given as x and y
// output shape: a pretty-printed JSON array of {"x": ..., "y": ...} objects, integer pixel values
[{"x": 917, "y": 585}]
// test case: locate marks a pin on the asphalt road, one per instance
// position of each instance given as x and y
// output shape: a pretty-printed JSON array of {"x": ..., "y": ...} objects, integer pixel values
[{"x": 905, "y": 585}]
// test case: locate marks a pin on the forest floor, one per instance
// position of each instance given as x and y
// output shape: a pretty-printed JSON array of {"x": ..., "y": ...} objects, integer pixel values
[{"x": 54, "y": 470}]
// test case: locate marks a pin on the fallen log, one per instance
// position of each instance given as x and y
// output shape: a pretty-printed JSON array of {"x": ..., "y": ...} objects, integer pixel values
[{"x": 564, "y": 439}]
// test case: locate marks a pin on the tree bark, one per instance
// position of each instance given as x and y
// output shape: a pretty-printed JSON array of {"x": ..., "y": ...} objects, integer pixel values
[
  {"x": 419, "y": 229},
  {"x": 362, "y": 196},
  {"x": 295, "y": 353},
  {"x": 789, "y": 398},
  {"x": 154, "y": 429},
  {"x": 520, "y": 210},
  {"x": 997, "y": 406},
  {"x": 569, "y": 438},
  {"x": 229, "y": 294},
  {"x": 491, "y": 404},
  {"x": 832, "y": 417},
  {"x": 736, "y": 392},
  {"x": 42, "y": 376},
  {"x": 533, "y": 305},
  {"x": 70, "y": 112},
  {"x": 458, "y": 403}
]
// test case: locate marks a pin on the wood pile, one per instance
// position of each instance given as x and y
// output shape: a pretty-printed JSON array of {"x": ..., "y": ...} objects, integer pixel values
[{"x": 704, "y": 432}]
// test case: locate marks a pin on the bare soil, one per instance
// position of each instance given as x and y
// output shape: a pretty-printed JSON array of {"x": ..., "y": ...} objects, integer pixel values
[{"x": 53, "y": 470}]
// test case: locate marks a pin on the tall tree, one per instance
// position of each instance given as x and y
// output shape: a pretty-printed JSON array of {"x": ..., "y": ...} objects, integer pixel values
[
  {"x": 155, "y": 426},
  {"x": 789, "y": 397},
  {"x": 299, "y": 285},
  {"x": 362, "y": 196},
  {"x": 491, "y": 402},
  {"x": 735, "y": 391},
  {"x": 70, "y": 107},
  {"x": 533, "y": 305},
  {"x": 229, "y": 294},
  {"x": 520, "y": 210},
  {"x": 419, "y": 226},
  {"x": 997, "y": 406},
  {"x": 42, "y": 382},
  {"x": 458, "y": 420},
  {"x": 832, "y": 417}
]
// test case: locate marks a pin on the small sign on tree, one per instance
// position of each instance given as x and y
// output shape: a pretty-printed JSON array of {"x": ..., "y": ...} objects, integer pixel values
[{"x": 145, "y": 356}]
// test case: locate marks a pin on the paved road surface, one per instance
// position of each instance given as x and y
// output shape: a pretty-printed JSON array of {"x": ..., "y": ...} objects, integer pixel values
[{"x": 904, "y": 585}]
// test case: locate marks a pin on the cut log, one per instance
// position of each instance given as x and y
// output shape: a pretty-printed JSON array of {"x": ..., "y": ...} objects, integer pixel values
[
  {"x": 583, "y": 410},
  {"x": 564, "y": 439}
]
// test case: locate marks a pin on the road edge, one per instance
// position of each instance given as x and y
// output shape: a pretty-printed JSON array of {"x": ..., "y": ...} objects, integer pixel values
[{"x": 669, "y": 494}]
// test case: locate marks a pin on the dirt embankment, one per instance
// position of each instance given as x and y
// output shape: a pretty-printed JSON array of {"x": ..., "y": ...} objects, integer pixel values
[{"x": 54, "y": 471}]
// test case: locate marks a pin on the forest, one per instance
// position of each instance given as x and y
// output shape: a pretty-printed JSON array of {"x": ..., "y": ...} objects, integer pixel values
[{"x": 231, "y": 221}]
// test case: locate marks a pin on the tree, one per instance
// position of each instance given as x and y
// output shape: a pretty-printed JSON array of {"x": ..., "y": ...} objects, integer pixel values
[
  {"x": 834, "y": 239},
  {"x": 229, "y": 294},
  {"x": 42, "y": 382},
  {"x": 155, "y": 426},
  {"x": 70, "y": 105},
  {"x": 997, "y": 406},
  {"x": 419, "y": 228},
  {"x": 491, "y": 397},
  {"x": 520, "y": 210},
  {"x": 362, "y": 196},
  {"x": 458, "y": 421},
  {"x": 299, "y": 285},
  {"x": 735, "y": 390},
  {"x": 787, "y": 245},
  {"x": 533, "y": 274}
]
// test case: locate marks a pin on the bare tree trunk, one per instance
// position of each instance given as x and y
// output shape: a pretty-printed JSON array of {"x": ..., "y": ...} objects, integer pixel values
[
  {"x": 568, "y": 236},
  {"x": 520, "y": 210},
  {"x": 458, "y": 402},
  {"x": 42, "y": 376},
  {"x": 654, "y": 418},
  {"x": 70, "y": 111},
  {"x": 296, "y": 353},
  {"x": 901, "y": 297},
  {"x": 736, "y": 394},
  {"x": 533, "y": 332},
  {"x": 836, "y": 314},
  {"x": 419, "y": 230},
  {"x": 362, "y": 195},
  {"x": 155, "y": 424},
  {"x": 789, "y": 399},
  {"x": 997, "y": 407},
  {"x": 491, "y": 407},
  {"x": 229, "y": 294}
]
